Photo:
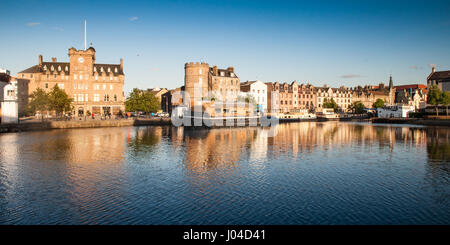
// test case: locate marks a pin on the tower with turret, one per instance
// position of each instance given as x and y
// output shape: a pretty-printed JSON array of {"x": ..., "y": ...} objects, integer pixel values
[{"x": 196, "y": 81}]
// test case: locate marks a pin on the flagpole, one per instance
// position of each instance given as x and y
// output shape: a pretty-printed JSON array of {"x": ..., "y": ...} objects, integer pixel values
[{"x": 85, "y": 46}]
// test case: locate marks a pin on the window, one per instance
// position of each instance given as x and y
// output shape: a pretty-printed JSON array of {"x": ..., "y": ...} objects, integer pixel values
[
  {"x": 106, "y": 97},
  {"x": 86, "y": 77},
  {"x": 80, "y": 97},
  {"x": 96, "y": 97},
  {"x": 96, "y": 77},
  {"x": 23, "y": 75},
  {"x": 48, "y": 76},
  {"x": 54, "y": 76},
  {"x": 75, "y": 97},
  {"x": 61, "y": 85},
  {"x": 46, "y": 85},
  {"x": 75, "y": 77},
  {"x": 199, "y": 71},
  {"x": 115, "y": 97},
  {"x": 104, "y": 86},
  {"x": 110, "y": 78},
  {"x": 74, "y": 86},
  {"x": 80, "y": 86},
  {"x": 31, "y": 75},
  {"x": 86, "y": 97},
  {"x": 110, "y": 87}
]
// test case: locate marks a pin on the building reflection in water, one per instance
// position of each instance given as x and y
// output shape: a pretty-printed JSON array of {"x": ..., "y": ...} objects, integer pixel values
[{"x": 92, "y": 168}]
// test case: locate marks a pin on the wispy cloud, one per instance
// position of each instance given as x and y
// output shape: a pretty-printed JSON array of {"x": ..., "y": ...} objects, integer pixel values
[
  {"x": 133, "y": 18},
  {"x": 414, "y": 67},
  {"x": 31, "y": 24},
  {"x": 350, "y": 76},
  {"x": 58, "y": 28}
]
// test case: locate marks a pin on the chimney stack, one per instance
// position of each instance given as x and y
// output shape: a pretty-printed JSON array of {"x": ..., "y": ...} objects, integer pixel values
[
  {"x": 215, "y": 70},
  {"x": 53, "y": 59},
  {"x": 433, "y": 69},
  {"x": 40, "y": 59},
  {"x": 230, "y": 69},
  {"x": 121, "y": 64}
]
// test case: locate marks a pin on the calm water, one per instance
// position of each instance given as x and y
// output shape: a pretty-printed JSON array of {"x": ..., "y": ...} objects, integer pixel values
[{"x": 309, "y": 173}]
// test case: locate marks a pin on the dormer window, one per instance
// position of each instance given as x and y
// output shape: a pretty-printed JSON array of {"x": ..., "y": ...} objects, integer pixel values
[
  {"x": 222, "y": 73},
  {"x": 101, "y": 69},
  {"x": 109, "y": 69},
  {"x": 45, "y": 67},
  {"x": 95, "y": 69},
  {"x": 59, "y": 68},
  {"x": 115, "y": 70},
  {"x": 67, "y": 68},
  {"x": 52, "y": 68}
]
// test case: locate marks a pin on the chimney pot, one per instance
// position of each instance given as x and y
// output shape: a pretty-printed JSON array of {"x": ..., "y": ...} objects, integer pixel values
[
  {"x": 121, "y": 64},
  {"x": 40, "y": 59},
  {"x": 433, "y": 69},
  {"x": 53, "y": 59}
]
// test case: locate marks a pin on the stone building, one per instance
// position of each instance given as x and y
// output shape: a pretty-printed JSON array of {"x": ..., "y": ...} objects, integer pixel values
[
  {"x": 368, "y": 95},
  {"x": 257, "y": 90},
  {"x": 439, "y": 78},
  {"x": 342, "y": 96},
  {"x": 158, "y": 93},
  {"x": 306, "y": 97},
  {"x": 202, "y": 82},
  {"x": 412, "y": 95},
  {"x": 290, "y": 98},
  {"x": 170, "y": 101},
  {"x": 95, "y": 88}
]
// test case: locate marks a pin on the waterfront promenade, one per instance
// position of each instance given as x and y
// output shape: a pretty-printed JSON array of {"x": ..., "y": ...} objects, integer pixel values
[
  {"x": 36, "y": 125},
  {"x": 33, "y": 125}
]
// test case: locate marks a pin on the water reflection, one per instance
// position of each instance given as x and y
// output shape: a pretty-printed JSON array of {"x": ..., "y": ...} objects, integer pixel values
[{"x": 308, "y": 173}]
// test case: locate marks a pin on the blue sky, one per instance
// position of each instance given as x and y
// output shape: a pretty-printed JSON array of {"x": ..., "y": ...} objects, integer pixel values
[{"x": 321, "y": 42}]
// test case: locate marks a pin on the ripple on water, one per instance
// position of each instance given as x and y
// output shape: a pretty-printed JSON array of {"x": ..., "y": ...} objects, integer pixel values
[{"x": 309, "y": 173}]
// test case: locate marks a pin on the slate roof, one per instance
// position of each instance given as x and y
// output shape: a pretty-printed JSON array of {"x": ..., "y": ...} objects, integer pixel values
[
  {"x": 64, "y": 67},
  {"x": 439, "y": 75}
]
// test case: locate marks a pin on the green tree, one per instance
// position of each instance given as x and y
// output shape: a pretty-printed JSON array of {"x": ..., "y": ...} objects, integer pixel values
[
  {"x": 59, "y": 101},
  {"x": 39, "y": 102},
  {"x": 357, "y": 107},
  {"x": 379, "y": 103},
  {"x": 435, "y": 97},
  {"x": 140, "y": 100},
  {"x": 330, "y": 104},
  {"x": 446, "y": 100}
]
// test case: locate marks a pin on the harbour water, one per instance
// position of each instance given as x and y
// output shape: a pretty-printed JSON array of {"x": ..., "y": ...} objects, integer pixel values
[{"x": 308, "y": 173}]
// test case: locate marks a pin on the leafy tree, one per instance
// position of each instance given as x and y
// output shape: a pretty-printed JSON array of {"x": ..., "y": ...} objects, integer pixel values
[
  {"x": 330, "y": 104},
  {"x": 59, "y": 100},
  {"x": 379, "y": 103},
  {"x": 446, "y": 100},
  {"x": 357, "y": 107},
  {"x": 435, "y": 97},
  {"x": 39, "y": 102},
  {"x": 140, "y": 100}
]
